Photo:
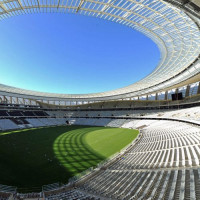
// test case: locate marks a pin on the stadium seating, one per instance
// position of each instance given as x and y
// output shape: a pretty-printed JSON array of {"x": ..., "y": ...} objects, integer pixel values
[
  {"x": 164, "y": 145},
  {"x": 102, "y": 122},
  {"x": 116, "y": 123},
  {"x": 5, "y": 196},
  {"x": 40, "y": 122},
  {"x": 35, "y": 122},
  {"x": 135, "y": 184},
  {"x": 3, "y": 113},
  {"x": 72, "y": 194},
  {"x": 28, "y": 196},
  {"x": 6, "y": 124},
  {"x": 162, "y": 164}
]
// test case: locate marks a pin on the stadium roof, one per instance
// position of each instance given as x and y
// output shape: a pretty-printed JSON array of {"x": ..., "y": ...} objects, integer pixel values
[{"x": 172, "y": 24}]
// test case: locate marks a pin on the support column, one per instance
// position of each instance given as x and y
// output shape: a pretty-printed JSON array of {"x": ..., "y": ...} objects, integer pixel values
[
  {"x": 23, "y": 101},
  {"x": 187, "y": 92},
  {"x": 198, "y": 91},
  {"x": 11, "y": 100},
  {"x": 166, "y": 95},
  {"x": 5, "y": 99},
  {"x": 156, "y": 97}
]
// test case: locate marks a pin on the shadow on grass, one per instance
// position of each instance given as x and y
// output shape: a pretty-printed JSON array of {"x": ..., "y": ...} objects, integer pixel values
[
  {"x": 74, "y": 153},
  {"x": 32, "y": 158}
]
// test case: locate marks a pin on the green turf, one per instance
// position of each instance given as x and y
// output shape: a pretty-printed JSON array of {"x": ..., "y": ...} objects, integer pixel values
[{"x": 34, "y": 157}]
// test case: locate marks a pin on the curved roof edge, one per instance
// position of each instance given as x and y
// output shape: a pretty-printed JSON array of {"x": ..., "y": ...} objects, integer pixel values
[{"x": 166, "y": 25}]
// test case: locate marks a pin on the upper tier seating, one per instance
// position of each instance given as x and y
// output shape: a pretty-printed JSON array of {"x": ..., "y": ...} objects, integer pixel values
[
  {"x": 192, "y": 114},
  {"x": 14, "y": 113},
  {"x": 40, "y": 113},
  {"x": 3, "y": 113}
]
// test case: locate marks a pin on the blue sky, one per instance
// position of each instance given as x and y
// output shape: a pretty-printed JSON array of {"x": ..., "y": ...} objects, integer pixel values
[{"x": 68, "y": 53}]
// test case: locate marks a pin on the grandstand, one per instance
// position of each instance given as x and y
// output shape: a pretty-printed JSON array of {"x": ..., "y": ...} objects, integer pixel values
[{"x": 164, "y": 161}]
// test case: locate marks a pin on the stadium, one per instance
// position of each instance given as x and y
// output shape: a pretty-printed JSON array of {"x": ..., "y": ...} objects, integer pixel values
[{"x": 141, "y": 141}]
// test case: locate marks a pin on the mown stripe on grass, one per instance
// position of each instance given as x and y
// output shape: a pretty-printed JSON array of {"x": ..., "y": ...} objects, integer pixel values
[{"x": 55, "y": 154}]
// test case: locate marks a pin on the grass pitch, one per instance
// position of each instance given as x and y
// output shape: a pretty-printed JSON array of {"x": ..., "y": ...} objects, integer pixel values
[{"x": 35, "y": 157}]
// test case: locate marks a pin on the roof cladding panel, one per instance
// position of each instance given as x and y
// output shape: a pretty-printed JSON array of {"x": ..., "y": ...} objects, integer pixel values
[{"x": 173, "y": 30}]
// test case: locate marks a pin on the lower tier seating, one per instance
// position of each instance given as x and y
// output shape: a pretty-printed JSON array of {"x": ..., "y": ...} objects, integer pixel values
[
  {"x": 151, "y": 184},
  {"x": 6, "y": 124},
  {"x": 164, "y": 163}
]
